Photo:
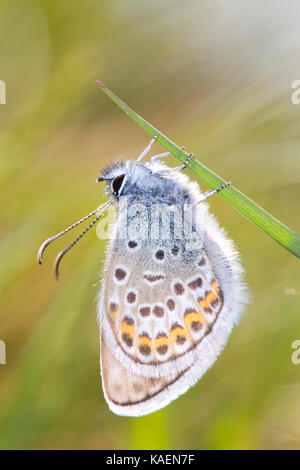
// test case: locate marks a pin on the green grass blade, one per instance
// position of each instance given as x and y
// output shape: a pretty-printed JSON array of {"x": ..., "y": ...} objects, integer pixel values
[{"x": 266, "y": 222}]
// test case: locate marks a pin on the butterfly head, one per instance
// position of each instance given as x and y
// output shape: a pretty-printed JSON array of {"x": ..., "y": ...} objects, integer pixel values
[
  {"x": 116, "y": 176},
  {"x": 125, "y": 178},
  {"x": 145, "y": 181}
]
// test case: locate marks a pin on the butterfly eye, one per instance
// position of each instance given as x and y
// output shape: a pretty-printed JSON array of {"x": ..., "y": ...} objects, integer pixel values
[{"x": 117, "y": 184}]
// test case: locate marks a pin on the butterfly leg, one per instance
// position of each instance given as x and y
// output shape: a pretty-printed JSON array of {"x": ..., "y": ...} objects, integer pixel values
[
  {"x": 160, "y": 155},
  {"x": 210, "y": 192},
  {"x": 147, "y": 149},
  {"x": 207, "y": 194},
  {"x": 177, "y": 168},
  {"x": 185, "y": 164}
]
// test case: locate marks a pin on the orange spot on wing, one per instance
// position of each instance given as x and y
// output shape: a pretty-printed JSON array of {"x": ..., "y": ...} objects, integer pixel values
[
  {"x": 211, "y": 296},
  {"x": 203, "y": 303},
  {"x": 178, "y": 334},
  {"x": 177, "y": 331},
  {"x": 215, "y": 286},
  {"x": 127, "y": 328},
  {"x": 162, "y": 341},
  {"x": 145, "y": 341},
  {"x": 145, "y": 344},
  {"x": 194, "y": 317}
]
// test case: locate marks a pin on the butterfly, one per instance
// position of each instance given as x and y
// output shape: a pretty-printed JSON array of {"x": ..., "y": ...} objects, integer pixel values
[{"x": 173, "y": 285}]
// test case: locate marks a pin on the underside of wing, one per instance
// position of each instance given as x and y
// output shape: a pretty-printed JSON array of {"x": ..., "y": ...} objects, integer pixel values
[
  {"x": 166, "y": 312},
  {"x": 158, "y": 314},
  {"x": 128, "y": 394}
]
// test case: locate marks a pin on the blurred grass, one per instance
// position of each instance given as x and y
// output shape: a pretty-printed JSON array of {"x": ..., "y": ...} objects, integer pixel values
[
  {"x": 151, "y": 431},
  {"x": 230, "y": 82}
]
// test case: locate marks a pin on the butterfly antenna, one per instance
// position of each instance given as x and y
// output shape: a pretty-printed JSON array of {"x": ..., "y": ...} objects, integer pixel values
[
  {"x": 62, "y": 253},
  {"x": 51, "y": 239}
]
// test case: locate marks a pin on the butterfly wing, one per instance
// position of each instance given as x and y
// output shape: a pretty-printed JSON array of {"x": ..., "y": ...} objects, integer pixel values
[
  {"x": 128, "y": 394},
  {"x": 166, "y": 312}
]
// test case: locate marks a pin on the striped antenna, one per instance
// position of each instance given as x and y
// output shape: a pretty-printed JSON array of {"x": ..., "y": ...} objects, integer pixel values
[
  {"x": 51, "y": 239},
  {"x": 62, "y": 253}
]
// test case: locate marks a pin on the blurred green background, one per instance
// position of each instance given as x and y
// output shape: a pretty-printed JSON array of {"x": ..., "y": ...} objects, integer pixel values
[{"x": 213, "y": 76}]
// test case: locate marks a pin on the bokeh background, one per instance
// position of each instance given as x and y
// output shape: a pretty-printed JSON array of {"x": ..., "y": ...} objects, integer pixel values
[{"x": 213, "y": 76}]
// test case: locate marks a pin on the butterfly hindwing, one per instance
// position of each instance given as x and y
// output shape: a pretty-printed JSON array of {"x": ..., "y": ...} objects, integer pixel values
[
  {"x": 164, "y": 318},
  {"x": 130, "y": 394}
]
